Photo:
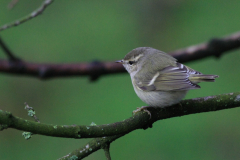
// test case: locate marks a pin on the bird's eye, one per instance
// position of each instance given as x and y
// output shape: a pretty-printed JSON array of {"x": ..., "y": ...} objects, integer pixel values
[{"x": 131, "y": 62}]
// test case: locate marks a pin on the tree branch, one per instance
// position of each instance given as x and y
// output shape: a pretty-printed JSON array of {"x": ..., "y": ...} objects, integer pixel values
[
  {"x": 12, "y": 4},
  {"x": 46, "y": 71},
  {"x": 9, "y": 53},
  {"x": 215, "y": 47},
  {"x": 94, "y": 70},
  {"x": 191, "y": 106},
  {"x": 31, "y": 112},
  {"x": 138, "y": 121},
  {"x": 91, "y": 147},
  {"x": 106, "y": 148},
  {"x": 35, "y": 13}
]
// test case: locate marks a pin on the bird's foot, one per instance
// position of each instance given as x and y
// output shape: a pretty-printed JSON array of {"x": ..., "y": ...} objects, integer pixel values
[
  {"x": 144, "y": 109},
  {"x": 180, "y": 104}
]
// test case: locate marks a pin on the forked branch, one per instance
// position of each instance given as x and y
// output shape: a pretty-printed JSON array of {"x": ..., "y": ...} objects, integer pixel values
[
  {"x": 115, "y": 130},
  {"x": 191, "y": 106}
]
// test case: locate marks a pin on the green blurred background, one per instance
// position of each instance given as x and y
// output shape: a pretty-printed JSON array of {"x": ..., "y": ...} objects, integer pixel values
[{"x": 82, "y": 31}]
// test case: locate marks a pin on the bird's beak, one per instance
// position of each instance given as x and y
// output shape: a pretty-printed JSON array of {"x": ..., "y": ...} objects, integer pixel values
[{"x": 120, "y": 61}]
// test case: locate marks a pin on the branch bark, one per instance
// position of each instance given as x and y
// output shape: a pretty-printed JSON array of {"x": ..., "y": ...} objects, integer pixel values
[
  {"x": 191, "y": 106},
  {"x": 90, "y": 147},
  {"x": 46, "y": 71},
  {"x": 35, "y": 13},
  {"x": 7, "y": 51},
  {"x": 106, "y": 150},
  {"x": 215, "y": 47},
  {"x": 139, "y": 121}
]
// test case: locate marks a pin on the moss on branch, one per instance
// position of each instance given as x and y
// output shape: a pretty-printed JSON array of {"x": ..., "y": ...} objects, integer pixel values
[
  {"x": 191, "y": 106},
  {"x": 140, "y": 120}
]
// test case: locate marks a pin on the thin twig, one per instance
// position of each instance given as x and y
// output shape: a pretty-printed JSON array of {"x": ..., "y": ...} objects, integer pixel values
[
  {"x": 97, "y": 69},
  {"x": 12, "y": 4},
  {"x": 35, "y": 13},
  {"x": 106, "y": 151},
  {"x": 31, "y": 112},
  {"x": 215, "y": 47},
  {"x": 9, "y": 53},
  {"x": 91, "y": 147}
]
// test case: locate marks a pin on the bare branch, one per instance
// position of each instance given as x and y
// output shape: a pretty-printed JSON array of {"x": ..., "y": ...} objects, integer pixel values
[
  {"x": 215, "y": 47},
  {"x": 35, "y": 13},
  {"x": 12, "y": 4},
  {"x": 46, "y": 71},
  {"x": 10, "y": 55},
  {"x": 106, "y": 151},
  {"x": 96, "y": 69}
]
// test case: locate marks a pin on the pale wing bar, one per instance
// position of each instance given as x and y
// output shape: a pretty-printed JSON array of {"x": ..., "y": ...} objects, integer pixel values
[{"x": 171, "y": 78}]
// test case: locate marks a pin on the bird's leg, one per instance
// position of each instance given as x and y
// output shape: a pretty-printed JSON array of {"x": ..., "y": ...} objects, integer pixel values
[{"x": 144, "y": 109}]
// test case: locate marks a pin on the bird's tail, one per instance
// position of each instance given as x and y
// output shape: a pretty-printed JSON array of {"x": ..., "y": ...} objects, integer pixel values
[{"x": 197, "y": 78}]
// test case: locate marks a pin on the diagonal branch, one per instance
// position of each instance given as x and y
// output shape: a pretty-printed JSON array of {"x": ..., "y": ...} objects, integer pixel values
[
  {"x": 191, "y": 106},
  {"x": 215, "y": 47},
  {"x": 9, "y": 53},
  {"x": 94, "y": 70},
  {"x": 35, "y": 13},
  {"x": 12, "y": 4},
  {"x": 31, "y": 112},
  {"x": 91, "y": 147}
]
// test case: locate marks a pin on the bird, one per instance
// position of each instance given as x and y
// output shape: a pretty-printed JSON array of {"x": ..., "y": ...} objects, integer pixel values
[{"x": 158, "y": 79}]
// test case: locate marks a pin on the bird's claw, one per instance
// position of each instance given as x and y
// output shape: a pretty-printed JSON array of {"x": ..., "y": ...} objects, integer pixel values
[{"x": 143, "y": 108}]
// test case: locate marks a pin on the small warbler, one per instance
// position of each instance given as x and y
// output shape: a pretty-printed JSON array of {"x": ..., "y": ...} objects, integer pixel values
[{"x": 158, "y": 79}]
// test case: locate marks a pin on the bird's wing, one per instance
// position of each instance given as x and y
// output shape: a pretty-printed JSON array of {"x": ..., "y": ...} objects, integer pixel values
[{"x": 171, "y": 78}]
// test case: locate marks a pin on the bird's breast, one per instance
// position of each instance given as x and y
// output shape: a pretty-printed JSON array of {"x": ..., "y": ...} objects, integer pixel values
[{"x": 160, "y": 98}]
